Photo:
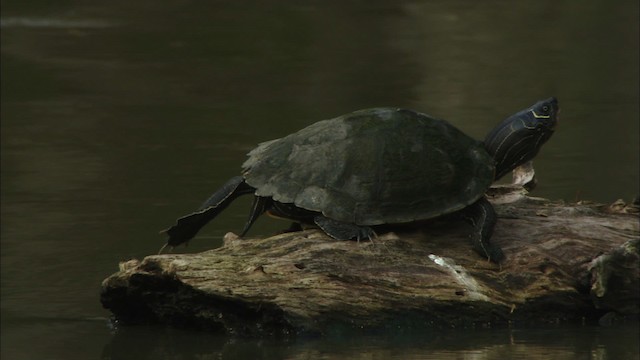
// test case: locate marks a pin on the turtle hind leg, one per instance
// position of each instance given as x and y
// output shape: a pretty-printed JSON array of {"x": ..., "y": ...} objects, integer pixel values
[
  {"x": 260, "y": 205},
  {"x": 291, "y": 212},
  {"x": 482, "y": 217},
  {"x": 227, "y": 193},
  {"x": 188, "y": 226},
  {"x": 343, "y": 231}
]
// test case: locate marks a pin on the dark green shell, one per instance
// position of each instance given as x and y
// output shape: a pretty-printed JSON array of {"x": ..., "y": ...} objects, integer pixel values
[{"x": 373, "y": 166}]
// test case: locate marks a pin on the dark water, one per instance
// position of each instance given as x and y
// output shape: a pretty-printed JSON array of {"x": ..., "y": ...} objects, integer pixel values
[{"x": 117, "y": 117}]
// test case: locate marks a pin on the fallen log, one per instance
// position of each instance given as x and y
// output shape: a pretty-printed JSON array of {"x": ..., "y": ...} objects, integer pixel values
[{"x": 565, "y": 262}]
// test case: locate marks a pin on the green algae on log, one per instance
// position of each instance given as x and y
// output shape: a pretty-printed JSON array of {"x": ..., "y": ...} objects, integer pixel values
[{"x": 565, "y": 262}]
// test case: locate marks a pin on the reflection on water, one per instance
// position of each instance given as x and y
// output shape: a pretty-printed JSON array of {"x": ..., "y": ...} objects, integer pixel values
[
  {"x": 552, "y": 343},
  {"x": 119, "y": 117}
]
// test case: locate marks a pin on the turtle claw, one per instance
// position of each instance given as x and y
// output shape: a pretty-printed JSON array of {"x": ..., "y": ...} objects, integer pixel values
[
  {"x": 164, "y": 247},
  {"x": 365, "y": 232}
]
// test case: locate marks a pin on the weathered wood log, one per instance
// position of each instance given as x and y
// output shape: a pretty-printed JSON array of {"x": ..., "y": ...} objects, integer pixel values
[{"x": 565, "y": 262}]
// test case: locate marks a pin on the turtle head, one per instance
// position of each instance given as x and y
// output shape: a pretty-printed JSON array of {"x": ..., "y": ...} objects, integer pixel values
[{"x": 518, "y": 138}]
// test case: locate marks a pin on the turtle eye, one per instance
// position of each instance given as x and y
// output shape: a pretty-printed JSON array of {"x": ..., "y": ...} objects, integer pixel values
[{"x": 545, "y": 108}]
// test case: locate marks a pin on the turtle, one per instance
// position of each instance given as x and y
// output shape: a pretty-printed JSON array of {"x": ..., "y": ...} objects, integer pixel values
[{"x": 381, "y": 166}]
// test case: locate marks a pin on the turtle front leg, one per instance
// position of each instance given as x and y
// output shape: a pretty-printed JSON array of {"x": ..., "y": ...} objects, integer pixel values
[
  {"x": 343, "y": 231},
  {"x": 482, "y": 217}
]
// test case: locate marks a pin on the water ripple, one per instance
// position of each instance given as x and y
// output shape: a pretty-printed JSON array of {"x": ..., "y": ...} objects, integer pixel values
[{"x": 16, "y": 22}]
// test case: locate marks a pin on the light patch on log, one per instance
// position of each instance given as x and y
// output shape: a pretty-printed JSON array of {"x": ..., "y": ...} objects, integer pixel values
[{"x": 457, "y": 272}]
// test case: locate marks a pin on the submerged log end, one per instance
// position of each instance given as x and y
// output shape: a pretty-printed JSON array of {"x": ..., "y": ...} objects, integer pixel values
[{"x": 615, "y": 278}]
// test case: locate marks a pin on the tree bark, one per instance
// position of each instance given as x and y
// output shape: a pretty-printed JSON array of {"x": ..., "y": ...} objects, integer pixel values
[{"x": 565, "y": 262}]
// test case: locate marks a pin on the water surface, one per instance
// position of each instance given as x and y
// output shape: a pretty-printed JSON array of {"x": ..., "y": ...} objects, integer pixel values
[{"x": 118, "y": 117}]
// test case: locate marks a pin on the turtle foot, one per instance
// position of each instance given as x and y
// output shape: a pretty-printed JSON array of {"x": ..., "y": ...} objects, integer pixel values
[{"x": 493, "y": 253}]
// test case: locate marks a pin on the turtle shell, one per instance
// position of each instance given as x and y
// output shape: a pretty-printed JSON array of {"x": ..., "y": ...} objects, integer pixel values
[{"x": 373, "y": 166}]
